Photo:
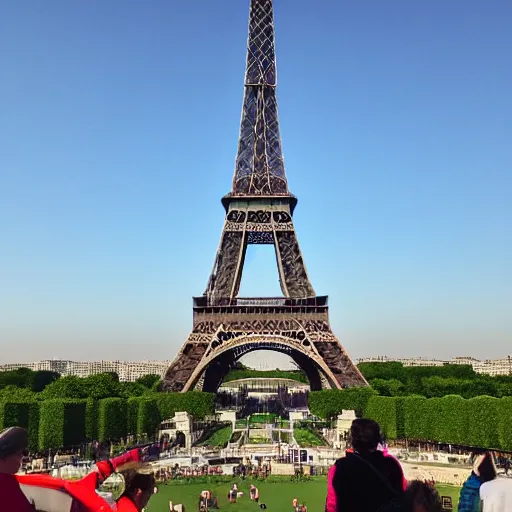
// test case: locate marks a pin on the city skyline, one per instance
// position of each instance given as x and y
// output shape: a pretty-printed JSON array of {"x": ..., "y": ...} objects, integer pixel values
[
  {"x": 397, "y": 144},
  {"x": 132, "y": 370}
]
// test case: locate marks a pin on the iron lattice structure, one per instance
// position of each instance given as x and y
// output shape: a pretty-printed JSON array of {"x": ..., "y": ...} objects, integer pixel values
[{"x": 259, "y": 210}]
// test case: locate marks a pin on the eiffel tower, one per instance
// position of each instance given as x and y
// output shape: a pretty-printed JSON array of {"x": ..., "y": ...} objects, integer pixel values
[{"x": 259, "y": 210}]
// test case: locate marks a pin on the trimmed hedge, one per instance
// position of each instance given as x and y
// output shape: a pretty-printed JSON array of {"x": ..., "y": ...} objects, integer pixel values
[
  {"x": 91, "y": 419},
  {"x": 505, "y": 423},
  {"x": 417, "y": 424},
  {"x": 112, "y": 419},
  {"x": 329, "y": 403},
  {"x": 143, "y": 415},
  {"x": 132, "y": 414},
  {"x": 149, "y": 417},
  {"x": 22, "y": 414},
  {"x": 452, "y": 420},
  {"x": 383, "y": 410},
  {"x": 198, "y": 404},
  {"x": 483, "y": 425},
  {"x": 62, "y": 423}
]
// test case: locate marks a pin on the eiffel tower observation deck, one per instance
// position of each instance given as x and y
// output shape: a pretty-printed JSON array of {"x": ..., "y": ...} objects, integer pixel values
[{"x": 259, "y": 210}]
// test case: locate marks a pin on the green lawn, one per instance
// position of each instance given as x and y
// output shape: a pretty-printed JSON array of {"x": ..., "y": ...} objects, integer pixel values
[
  {"x": 307, "y": 438},
  {"x": 219, "y": 438},
  {"x": 277, "y": 496}
]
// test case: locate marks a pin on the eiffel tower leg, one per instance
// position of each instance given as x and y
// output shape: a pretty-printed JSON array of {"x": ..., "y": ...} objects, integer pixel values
[
  {"x": 184, "y": 364},
  {"x": 337, "y": 360}
]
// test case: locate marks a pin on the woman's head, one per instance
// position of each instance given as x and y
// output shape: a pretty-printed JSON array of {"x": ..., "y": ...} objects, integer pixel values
[
  {"x": 365, "y": 435},
  {"x": 422, "y": 497},
  {"x": 139, "y": 487}
]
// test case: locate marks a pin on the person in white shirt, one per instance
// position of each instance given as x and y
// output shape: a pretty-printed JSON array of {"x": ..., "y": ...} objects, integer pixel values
[{"x": 496, "y": 495}]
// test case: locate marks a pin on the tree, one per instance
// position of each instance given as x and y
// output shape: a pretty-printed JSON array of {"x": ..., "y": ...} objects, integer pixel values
[
  {"x": 102, "y": 385},
  {"x": 66, "y": 387},
  {"x": 441, "y": 386},
  {"x": 148, "y": 380},
  {"x": 386, "y": 371},
  {"x": 20, "y": 378},
  {"x": 388, "y": 387},
  {"x": 131, "y": 389},
  {"x": 43, "y": 378}
]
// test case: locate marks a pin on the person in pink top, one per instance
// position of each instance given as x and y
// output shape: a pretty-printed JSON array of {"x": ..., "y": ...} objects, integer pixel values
[
  {"x": 385, "y": 451},
  {"x": 331, "y": 502}
]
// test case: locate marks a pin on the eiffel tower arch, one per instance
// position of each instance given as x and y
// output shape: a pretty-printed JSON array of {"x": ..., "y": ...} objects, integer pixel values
[{"x": 259, "y": 210}]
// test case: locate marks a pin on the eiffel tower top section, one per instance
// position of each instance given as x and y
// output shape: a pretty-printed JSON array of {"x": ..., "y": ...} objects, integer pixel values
[{"x": 259, "y": 167}]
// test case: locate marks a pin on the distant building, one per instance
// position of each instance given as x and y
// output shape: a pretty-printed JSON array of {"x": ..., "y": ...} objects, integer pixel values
[
  {"x": 128, "y": 371},
  {"x": 491, "y": 367}
]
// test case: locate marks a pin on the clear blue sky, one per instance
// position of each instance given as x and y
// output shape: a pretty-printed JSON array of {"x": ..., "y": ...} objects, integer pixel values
[{"x": 118, "y": 134}]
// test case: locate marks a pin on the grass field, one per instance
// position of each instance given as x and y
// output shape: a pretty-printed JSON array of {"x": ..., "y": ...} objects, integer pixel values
[
  {"x": 219, "y": 438},
  {"x": 277, "y": 496},
  {"x": 307, "y": 438}
]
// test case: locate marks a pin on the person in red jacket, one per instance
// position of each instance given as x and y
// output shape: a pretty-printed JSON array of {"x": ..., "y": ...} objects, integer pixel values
[
  {"x": 139, "y": 487},
  {"x": 13, "y": 444},
  {"x": 83, "y": 491}
]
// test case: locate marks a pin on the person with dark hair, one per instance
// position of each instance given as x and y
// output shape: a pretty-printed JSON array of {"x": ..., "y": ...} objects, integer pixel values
[
  {"x": 484, "y": 471},
  {"x": 139, "y": 487},
  {"x": 365, "y": 479},
  {"x": 13, "y": 444},
  {"x": 422, "y": 497}
]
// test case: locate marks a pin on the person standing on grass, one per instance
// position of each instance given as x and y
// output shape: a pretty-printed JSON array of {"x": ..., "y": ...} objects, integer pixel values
[
  {"x": 365, "y": 479},
  {"x": 484, "y": 471},
  {"x": 13, "y": 444},
  {"x": 254, "y": 493}
]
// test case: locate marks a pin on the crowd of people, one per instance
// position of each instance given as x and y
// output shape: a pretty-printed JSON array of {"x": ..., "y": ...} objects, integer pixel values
[
  {"x": 177, "y": 472},
  {"x": 367, "y": 479}
]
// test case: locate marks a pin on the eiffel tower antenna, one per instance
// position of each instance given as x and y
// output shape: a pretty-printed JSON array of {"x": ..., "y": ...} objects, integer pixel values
[{"x": 259, "y": 210}]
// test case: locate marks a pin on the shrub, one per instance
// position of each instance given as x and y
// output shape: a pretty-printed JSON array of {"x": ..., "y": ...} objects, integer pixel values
[
  {"x": 483, "y": 422},
  {"x": 24, "y": 413},
  {"x": 417, "y": 418},
  {"x": 132, "y": 412},
  {"x": 196, "y": 403},
  {"x": 148, "y": 417},
  {"x": 62, "y": 423},
  {"x": 382, "y": 409},
  {"x": 112, "y": 419},
  {"x": 452, "y": 420},
  {"x": 143, "y": 415},
  {"x": 504, "y": 423},
  {"x": 91, "y": 419},
  {"x": 329, "y": 403}
]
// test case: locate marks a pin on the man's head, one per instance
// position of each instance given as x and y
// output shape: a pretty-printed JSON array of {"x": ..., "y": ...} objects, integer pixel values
[
  {"x": 139, "y": 487},
  {"x": 13, "y": 444},
  {"x": 365, "y": 435}
]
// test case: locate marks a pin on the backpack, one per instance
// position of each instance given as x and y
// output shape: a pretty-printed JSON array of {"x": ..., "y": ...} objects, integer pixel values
[{"x": 396, "y": 503}]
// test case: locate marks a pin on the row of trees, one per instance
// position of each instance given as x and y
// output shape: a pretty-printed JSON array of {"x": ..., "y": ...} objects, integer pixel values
[
  {"x": 44, "y": 385},
  {"x": 393, "y": 379},
  {"x": 60, "y": 422},
  {"x": 482, "y": 421}
]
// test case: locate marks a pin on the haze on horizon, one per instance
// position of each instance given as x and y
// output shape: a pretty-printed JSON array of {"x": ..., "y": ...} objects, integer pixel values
[{"x": 119, "y": 133}]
